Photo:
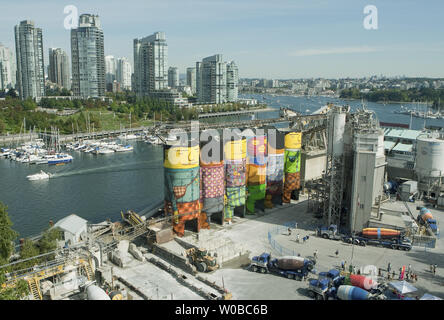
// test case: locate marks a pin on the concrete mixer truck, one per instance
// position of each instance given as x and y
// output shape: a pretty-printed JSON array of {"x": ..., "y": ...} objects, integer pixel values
[
  {"x": 325, "y": 287},
  {"x": 425, "y": 218},
  {"x": 291, "y": 267}
]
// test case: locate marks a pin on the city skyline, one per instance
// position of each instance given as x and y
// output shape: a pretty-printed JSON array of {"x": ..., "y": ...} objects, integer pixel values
[{"x": 303, "y": 39}]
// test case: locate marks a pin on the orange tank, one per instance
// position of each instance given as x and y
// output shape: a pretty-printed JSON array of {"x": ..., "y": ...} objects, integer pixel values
[{"x": 380, "y": 233}]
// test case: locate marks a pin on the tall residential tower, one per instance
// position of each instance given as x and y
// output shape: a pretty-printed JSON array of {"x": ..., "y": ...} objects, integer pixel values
[
  {"x": 59, "y": 68},
  {"x": 29, "y": 54},
  {"x": 150, "y": 64},
  {"x": 88, "y": 58}
]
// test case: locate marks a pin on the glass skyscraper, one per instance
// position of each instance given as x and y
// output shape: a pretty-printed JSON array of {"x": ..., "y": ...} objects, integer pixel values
[
  {"x": 29, "y": 54},
  {"x": 88, "y": 58}
]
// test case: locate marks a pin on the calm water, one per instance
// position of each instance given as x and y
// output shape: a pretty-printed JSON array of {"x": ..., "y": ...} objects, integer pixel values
[
  {"x": 94, "y": 187},
  {"x": 99, "y": 187}
]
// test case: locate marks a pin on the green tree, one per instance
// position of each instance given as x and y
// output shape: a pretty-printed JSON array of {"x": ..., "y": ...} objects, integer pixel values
[
  {"x": 19, "y": 291},
  {"x": 7, "y": 234},
  {"x": 2, "y": 126},
  {"x": 48, "y": 241}
]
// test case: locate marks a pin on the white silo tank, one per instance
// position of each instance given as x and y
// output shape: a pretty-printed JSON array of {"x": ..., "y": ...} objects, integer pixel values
[
  {"x": 336, "y": 133},
  {"x": 95, "y": 293},
  {"x": 429, "y": 156}
]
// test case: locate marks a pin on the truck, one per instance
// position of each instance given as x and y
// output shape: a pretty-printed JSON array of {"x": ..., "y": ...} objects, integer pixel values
[
  {"x": 425, "y": 218},
  {"x": 396, "y": 242},
  {"x": 289, "y": 266},
  {"x": 330, "y": 232},
  {"x": 374, "y": 236},
  {"x": 325, "y": 287}
]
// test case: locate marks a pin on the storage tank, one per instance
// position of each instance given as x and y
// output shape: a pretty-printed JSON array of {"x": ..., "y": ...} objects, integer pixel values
[
  {"x": 235, "y": 154},
  {"x": 336, "y": 128},
  {"x": 182, "y": 183},
  {"x": 275, "y": 166},
  {"x": 256, "y": 170},
  {"x": 346, "y": 292},
  {"x": 292, "y": 166},
  {"x": 93, "y": 292},
  {"x": 429, "y": 156},
  {"x": 380, "y": 233},
  {"x": 212, "y": 179}
]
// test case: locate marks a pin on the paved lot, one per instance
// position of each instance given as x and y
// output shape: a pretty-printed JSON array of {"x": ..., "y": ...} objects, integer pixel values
[{"x": 252, "y": 233}]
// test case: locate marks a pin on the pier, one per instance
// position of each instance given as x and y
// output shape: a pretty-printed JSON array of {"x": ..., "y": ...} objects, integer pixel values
[{"x": 233, "y": 113}]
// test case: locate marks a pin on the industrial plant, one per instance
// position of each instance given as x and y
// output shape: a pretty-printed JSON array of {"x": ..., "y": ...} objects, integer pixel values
[{"x": 230, "y": 197}]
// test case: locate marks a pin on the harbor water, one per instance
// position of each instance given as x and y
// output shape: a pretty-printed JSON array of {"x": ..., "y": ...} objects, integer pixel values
[{"x": 98, "y": 187}]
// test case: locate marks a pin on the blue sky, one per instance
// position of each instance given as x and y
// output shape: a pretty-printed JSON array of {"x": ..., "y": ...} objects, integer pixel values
[{"x": 270, "y": 39}]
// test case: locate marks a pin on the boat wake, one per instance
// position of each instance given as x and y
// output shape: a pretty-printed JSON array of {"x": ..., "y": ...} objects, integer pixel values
[{"x": 108, "y": 169}]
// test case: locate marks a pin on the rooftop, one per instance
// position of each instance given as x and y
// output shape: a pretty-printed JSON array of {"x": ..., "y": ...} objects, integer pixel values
[
  {"x": 72, "y": 223},
  {"x": 401, "y": 133}
]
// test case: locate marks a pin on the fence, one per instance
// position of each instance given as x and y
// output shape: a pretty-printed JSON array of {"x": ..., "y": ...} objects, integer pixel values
[{"x": 275, "y": 245}]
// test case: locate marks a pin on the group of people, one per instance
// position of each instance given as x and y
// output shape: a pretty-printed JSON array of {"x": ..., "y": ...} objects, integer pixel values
[{"x": 408, "y": 275}]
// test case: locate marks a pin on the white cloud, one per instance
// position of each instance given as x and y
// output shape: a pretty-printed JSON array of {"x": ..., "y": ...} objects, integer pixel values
[{"x": 329, "y": 51}]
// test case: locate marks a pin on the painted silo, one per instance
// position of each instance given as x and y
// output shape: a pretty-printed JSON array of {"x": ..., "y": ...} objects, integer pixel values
[
  {"x": 212, "y": 179},
  {"x": 292, "y": 164},
  {"x": 256, "y": 170},
  {"x": 182, "y": 183},
  {"x": 235, "y": 154},
  {"x": 275, "y": 167}
]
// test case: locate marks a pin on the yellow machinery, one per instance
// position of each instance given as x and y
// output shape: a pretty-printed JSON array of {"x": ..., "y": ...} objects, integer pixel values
[
  {"x": 33, "y": 277},
  {"x": 201, "y": 259},
  {"x": 132, "y": 218}
]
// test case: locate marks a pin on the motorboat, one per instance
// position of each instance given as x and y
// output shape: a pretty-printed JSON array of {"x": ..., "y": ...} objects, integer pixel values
[
  {"x": 105, "y": 151},
  {"x": 60, "y": 158},
  {"x": 42, "y": 175},
  {"x": 124, "y": 148}
]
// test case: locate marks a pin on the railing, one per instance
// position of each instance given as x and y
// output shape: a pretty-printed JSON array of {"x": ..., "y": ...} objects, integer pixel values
[{"x": 275, "y": 245}]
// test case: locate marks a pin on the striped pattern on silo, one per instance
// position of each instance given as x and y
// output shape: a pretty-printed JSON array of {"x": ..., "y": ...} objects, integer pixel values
[
  {"x": 292, "y": 164},
  {"x": 235, "y": 175},
  {"x": 275, "y": 166},
  {"x": 256, "y": 170}
]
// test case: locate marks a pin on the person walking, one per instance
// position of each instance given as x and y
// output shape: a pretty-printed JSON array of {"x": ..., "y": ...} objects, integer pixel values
[
  {"x": 297, "y": 238},
  {"x": 409, "y": 269},
  {"x": 389, "y": 267},
  {"x": 289, "y": 231},
  {"x": 315, "y": 254},
  {"x": 342, "y": 265},
  {"x": 434, "y": 269}
]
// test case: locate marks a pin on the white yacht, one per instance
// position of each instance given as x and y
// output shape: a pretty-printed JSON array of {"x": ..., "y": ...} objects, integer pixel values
[
  {"x": 105, "y": 151},
  {"x": 124, "y": 148},
  {"x": 42, "y": 175}
]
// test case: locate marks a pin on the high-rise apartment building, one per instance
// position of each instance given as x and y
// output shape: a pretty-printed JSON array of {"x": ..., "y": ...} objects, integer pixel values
[
  {"x": 88, "y": 58},
  {"x": 232, "y": 82},
  {"x": 29, "y": 55},
  {"x": 212, "y": 80},
  {"x": 7, "y": 68},
  {"x": 58, "y": 71},
  {"x": 150, "y": 64},
  {"x": 123, "y": 73},
  {"x": 191, "y": 79},
  {"x": 173, "y": 77},
  {"x": 110, "y": 69}
]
